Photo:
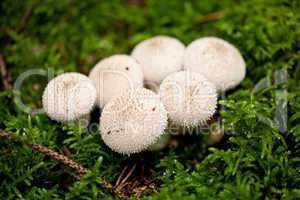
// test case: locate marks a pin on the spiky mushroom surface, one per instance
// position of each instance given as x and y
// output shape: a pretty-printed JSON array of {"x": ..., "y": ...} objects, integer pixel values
[
  {"x": 133, "y": 121},
  {"x": 114, "y": 75},
  {"x": 219, "y": 61},
  {"x": 159, "y": 56},
  {"x": 69, "y": 96},
  {"x": 189, "y": 98}
]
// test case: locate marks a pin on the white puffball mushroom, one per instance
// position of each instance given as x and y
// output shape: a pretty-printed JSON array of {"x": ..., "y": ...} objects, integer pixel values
[
  {"x": 189, "y": 98},
  {"x": 159, "y": 56},
  {"x": 218, "y": 60},
  {"x": 69, "y": 96},
  {"x": 130, "y": 123},
  {"x": 114, "y": 75}
]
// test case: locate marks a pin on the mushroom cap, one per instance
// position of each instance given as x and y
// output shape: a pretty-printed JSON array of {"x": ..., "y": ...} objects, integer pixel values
[
  {"x": 219, "y": 61},
  {"x": 130, "y": 123},
  {"x": 189, "y": 98},
  {"x": 159, "y": 56},
  {"x": 69, "y": 97},
  {"x": 114, "y": 75}
]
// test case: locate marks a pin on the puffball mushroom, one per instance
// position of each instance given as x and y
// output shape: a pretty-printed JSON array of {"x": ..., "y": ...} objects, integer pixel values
[
  {"x": 114, "y": 75},
  {"x": 130, "y": 123},
  {"x": 189, "y": 98},
  {"x": 159, "y": 56},
  {"x": 219, "y": 61},
  {"x": 69, "y": 96}
]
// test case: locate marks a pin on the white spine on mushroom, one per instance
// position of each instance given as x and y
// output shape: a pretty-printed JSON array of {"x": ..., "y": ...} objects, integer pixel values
[
  {"x": 133, "y": 121},
  {"x": 189, "y": 98},
  {"x": 219, "y": 61},
  {"x": 69, "y": 97},
  {"x": 159, "y": 56},
  {"x": 114, "y": 75}
]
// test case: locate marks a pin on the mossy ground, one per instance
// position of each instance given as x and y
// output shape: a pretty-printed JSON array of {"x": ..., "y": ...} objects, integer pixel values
[{"x": 255, "y": 160}]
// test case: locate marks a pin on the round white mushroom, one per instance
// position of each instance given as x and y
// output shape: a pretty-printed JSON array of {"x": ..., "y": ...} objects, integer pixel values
[
  {"x": 114, "y": 75},
  {"x": 69, "y": 97},
  {"x": 189, "y": 98},
  {"x": 219, "y": 61},
  {"x": 133, "y": 121},
  {"x": 159, "y": 56}
]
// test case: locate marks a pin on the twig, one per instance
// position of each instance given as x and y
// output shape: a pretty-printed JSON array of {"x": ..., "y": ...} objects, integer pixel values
[
  {"x": 24, "y": 19},
  {"x": 79, "y": 169},
  {"x": 20, "y": 26},
  {"x": 136, "y": 2},
  {"x": 5, "y": 75},
  {"x": 121, "y": 176},
  {"x": 123, "y": 182},
  {"x": 129, "y": 174},
  {"x": 214, "y": 16},
  {"x": 6, "y": 78}
]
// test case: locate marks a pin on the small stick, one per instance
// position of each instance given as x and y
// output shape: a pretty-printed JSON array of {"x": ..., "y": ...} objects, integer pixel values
[
  {"x": 123, "y": 182},
  {"x": 79, "y": 169},
  {"x": 214, "y": 16},
  {"x": 120, "y": 176},
  {"x": 5, "y": 75},
  {"x": 129, "y": 174},
  {"x": 136, "y": 2},
  {"x": 24, "y": 20}
]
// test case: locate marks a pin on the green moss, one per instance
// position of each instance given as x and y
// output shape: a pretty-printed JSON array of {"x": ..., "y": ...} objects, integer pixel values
[{"x": 258, "y": 159}]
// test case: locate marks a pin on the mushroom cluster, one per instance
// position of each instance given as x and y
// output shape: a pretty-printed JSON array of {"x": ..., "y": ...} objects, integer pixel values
[{"x": 184, "y": 81}]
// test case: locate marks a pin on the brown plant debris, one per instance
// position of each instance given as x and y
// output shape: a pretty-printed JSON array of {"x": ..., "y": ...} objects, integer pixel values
[
  {"x": 214, "y": 16},
  {"x": 5, "y": 75},
  {"x": 24, "y": 19},
  {"x": 135, "y": 180}
]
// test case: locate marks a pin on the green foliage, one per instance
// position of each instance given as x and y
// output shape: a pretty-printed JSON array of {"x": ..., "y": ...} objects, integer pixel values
[{"x": 256, "y": 160}]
